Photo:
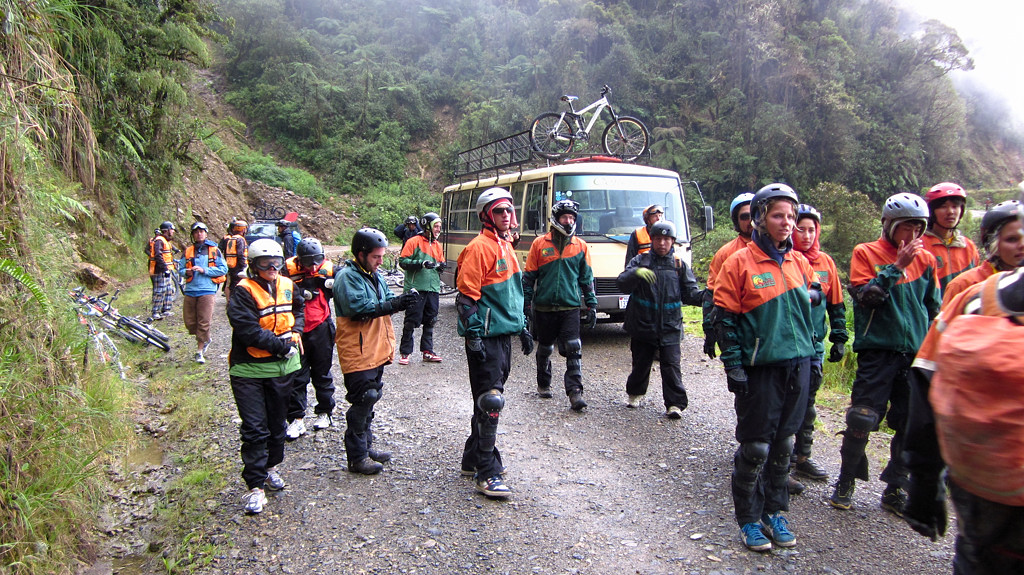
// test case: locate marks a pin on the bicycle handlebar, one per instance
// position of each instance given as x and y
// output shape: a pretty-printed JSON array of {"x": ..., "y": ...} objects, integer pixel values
[{"x": 606, "y": 90}]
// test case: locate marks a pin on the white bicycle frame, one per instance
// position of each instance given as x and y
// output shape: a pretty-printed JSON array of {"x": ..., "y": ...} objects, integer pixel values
[{"x": 599, "y": 104}]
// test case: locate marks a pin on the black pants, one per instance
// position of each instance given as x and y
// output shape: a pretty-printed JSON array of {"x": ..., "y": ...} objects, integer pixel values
[
  {"x": 317, "y": 358},
  {"x": 562, "y": 327},
  {"x": 423, "y": 313},
  {"x": 805, "y": 437},
  {"x": 480, "y": 452},
  {"x": 770, "y": 414},
  {"x": 363, "y": 390},
  {"x": 671, "y": 376},
  {"x": 261, "y": 406},
  {"x": 991, "y": 535}
]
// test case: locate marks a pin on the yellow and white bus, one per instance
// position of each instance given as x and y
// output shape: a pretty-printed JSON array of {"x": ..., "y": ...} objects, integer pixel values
[{"x": 612, "y": 195}]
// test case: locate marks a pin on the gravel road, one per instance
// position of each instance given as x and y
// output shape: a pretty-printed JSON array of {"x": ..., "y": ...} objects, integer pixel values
[{"x": 611, "y": 490}]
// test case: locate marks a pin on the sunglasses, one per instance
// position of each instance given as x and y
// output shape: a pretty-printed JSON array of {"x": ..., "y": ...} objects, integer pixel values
[
  {"x": 311, "y": 261},
  {"x": 744, "y": 216},
  {"x": 268, "y": 262},
  {"x": 502, "y": 210}
]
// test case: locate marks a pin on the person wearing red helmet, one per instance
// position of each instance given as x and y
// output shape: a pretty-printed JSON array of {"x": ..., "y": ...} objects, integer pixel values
[{"x": 954, "y": 252}]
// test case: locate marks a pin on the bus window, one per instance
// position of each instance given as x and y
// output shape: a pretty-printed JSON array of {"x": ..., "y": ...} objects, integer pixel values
[
  {"x": 612, "y": 204},
  {"x": 535, "y": 209}
]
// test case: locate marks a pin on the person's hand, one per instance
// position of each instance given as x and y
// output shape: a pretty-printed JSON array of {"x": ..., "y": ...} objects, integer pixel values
[
  {"x": 526, "y": 341},
  {"x": 906, "y": 253},
  {"x": 709, "y": 346},
  {"x": 429, "y": 265},
  {"x": 646, "y": 274},
  {"x": 441, "y": 266},
  {"x": 197, "y": 270},
  {"x": 837, "y": 352},
  {"x": 475, "y": 350},
  {"x": 925, "y": 511},
  {"x": 591, "y": 320},
  {"x": 736, "y": 379},
  {"x": 815, "y": 297},
  {"x": 405, "y": 301}
]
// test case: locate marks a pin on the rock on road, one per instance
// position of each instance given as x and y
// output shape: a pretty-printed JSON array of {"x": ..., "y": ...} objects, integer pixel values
[{"x": 611, "y": 490}]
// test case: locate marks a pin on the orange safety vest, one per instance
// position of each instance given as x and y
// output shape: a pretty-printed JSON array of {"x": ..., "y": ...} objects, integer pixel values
[
  {"x": 231, "y": 251},
  {"x": 643, "y": 240},
  {"x": 275, "y": 312},
  {"x": 211, "y": 261},
  {"x": 163, "y": 252}
]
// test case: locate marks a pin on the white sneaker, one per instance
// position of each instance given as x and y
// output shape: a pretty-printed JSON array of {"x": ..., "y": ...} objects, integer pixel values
[
  {"x": 322, "y": 421},
  {"x": 296, "y": 429},
  {"x": 635, "y": 401},
  {"x": 200, "y": 358},
  {"x": 673, "y": 412},
  {"x": 274, "y": 482},
  {"x": 254, "y": 500}
]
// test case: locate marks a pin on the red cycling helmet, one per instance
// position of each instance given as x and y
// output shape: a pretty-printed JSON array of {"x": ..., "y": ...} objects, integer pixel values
[{"x": 943, "y": 191}]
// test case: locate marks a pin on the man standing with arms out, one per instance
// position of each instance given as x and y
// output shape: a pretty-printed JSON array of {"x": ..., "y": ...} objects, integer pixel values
[
  {"x": 490, "y": 308},
  {"x": 204, "y": 269},
  {"x": 366, "y": 343},
  {"x": 658, "y": 283},
  {"x": 640, "y": 240},
  {"x": 954, "y": 252},
  {"x": 422, "y": 258},
  {"x": 739, "y": 212},
  {"x": 160, "y": 264},
  {"x": 266, "y": 319},
  {"x": 236, "y": 253},
  {"x": 895, "y": 296},
  {"x": 557, "y": 282},
  {"x": 314, "y": 275}
]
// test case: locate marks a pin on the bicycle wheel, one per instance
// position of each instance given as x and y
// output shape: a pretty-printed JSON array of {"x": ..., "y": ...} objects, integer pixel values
[
  {"x": 551, "y": 136},
  {"x": 142, "y": 335},
  {"x": 627, "y": 138},
  {"x": 278, "y": 213},
  {"x": 447, "y": 289},
  {"x": 145, "y": 329},
  {"x": 107, "y": 352}
]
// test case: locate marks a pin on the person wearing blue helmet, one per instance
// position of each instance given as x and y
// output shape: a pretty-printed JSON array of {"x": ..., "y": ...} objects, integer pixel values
[{"x": 739, "y": 212}]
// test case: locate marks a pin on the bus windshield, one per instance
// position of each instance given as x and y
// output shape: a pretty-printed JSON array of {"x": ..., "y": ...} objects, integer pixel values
[{"x": 612, "y": 205}]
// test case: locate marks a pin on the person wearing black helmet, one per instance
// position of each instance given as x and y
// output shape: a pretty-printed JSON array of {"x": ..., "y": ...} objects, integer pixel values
[
  {"x": 363, "y": 303},
  {"x": 422, "y": 259},
  {"x": 161, "y": 262},
  {"x": 490, "y": 308},
  {"x": 640, "y": 240},
  {"x": 658, "y": 283},
  {"x": 236, "y": 253},
  {"x": 739, "y": 213},
  {"x": 204, "y": 269},
  {"x": 894, "y": 286},
  {"x": 408, "y": 229},
  {"x": 313, "y": 273},
  {"x": 288, "y": 236},
  {"x": 763, "y": 298},
  {"x": 1002, "y": 240},
  {"x": 558, "y": 281}
]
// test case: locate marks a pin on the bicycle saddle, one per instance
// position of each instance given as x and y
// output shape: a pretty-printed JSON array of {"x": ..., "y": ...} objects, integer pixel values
[{"x": 568, "y": 98}]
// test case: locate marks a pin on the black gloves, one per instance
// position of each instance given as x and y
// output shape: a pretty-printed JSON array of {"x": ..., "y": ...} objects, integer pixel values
[
  {"x": 441, "y": 266},
  {"x": 925, "y": 511},
  {"x": 815, "y": 297},
  {"x": 475, "y": 350},
  {"x": 837, "y": 352},
  {"x": 709, "y": 345},
  {"x": 591, "y": 319},
  {"x": 428, "y": 265},
  {"x": 405, "y": 301},
  {"x": 528, "y": 315},
  {"x": 736, "y": 378},
  {"x": 526, "y": 340}
]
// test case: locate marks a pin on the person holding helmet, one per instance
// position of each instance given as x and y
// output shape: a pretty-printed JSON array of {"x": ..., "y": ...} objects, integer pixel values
[
  {"x": 363, "y": 303},
  {"x": 558, "y": 281},
  {"x": 160, "y": 264},
  {"x": 422, "y": 259},
  {"x": 895, "y": 290},
  {"x": 806, "y": 236},
  {"x": 658, "y": 283},
  {"x": 739, "y": 212},
  {"x": 954, "y": 252},
  {"x": 204, "y": 269},
  {"x": 764, "y": 294},
  {"x": 236, "y": 253},
  {"x": 288, "y": 236},
  {"x": 266, "y": 316},
  {"x": 490, "y": 308},
  {"x": 408, "y": 229},
  {"x": 313, "y": 273},
  {"x": 1002, "y": 239},
  {"x": 640, "y": 240}
]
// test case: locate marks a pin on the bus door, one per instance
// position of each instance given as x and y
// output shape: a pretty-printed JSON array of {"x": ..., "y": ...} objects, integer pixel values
[{"x": 534, "y": 220}]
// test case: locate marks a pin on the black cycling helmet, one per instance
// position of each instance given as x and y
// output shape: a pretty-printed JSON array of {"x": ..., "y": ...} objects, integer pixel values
[
  {"x": 808, "y": 211},
  {"x": 994, "y": 219},
  {"x": 764, "y": 196},
  {"x": 428, "y": 220},
  {"x": 561, "y": 208},
  {"x": 368, "y": 239},
  {"x": 663, "y": 228},
  {"x": 166, "y": 226},
  {"x": 283, "y": 223},
  {"x": 410, "y": 220},
  {"x": 310, "y": 252}
]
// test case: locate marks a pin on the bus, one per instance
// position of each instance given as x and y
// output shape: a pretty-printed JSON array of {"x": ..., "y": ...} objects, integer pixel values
[{"x": 612, "y": 196}]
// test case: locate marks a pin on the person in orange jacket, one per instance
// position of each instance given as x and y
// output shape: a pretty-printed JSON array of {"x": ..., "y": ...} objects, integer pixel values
[
  {"x": 1002, "y": 239},
  {"x": 739, "y": 213},
  {"x": 954, "y": 252}
]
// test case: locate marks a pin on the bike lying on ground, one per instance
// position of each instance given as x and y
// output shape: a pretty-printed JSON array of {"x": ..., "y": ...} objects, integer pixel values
[
  {"x": 106, "y": 314},
  {"x": 553, "y": 134},
  {"x": 103, "y": 347}
]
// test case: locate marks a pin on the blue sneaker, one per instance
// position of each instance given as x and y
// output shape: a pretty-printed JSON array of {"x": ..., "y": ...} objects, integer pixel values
[
  {"x": 777, "y": 527},
  {"x": 753, "y": 538}
]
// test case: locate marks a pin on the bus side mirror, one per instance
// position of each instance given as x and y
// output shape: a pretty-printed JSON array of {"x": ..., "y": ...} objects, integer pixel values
[{"x": 709, "y": 219}]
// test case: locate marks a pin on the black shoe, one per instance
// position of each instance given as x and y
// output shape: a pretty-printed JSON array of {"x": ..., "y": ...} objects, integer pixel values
[
  {"x": 544, "y": 391},
  {"x": 795, "y": 487},
  {"x": 894, "y": 500},
  {"x": 379, "y": 456},
  {"x": 576, "y": 401},
  {"x": 809, "y": 469},
  {"x": 366, "y": 466},
  {"x": 842, "y": 497}
]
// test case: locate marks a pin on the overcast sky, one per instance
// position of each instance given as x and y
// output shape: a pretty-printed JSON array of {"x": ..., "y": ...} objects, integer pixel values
[{"x": 993, "y": 31}]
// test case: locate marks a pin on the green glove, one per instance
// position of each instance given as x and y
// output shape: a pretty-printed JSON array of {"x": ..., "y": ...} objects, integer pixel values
[{"x": 646, "y": 274}]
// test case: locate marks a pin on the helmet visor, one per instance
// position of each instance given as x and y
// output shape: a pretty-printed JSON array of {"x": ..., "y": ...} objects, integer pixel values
[{"x": 311, "y": 261}]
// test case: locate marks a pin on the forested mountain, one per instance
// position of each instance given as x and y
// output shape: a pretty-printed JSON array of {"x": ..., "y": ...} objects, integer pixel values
[{"x": 737, "y": 93}]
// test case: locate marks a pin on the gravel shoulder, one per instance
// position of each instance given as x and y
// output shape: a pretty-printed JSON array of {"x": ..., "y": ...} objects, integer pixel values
[{"x": 610, "y": 490}]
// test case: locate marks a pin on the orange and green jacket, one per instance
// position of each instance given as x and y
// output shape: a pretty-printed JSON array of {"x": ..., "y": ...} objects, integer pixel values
[
  {"x": 559, "y": 279},
  {"x": 966, "y": 280},
  {"x": 900, "y": 321},
  {"x": 953, "y": 256},
  {"x": 832, "y": 305},
  {"x": 490, "y": 286},
  {"x": 415, "y": 251},
  {"x": 767, "y": 307},
  {"x": 721, "y": 255}
]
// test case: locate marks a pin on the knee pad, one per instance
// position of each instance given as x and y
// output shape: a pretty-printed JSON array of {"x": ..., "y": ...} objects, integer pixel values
[
  {"x": 491, "y": 402},
  {"x": 574, "y": 349},
  {"x": 860, "y": 420},
  {"x": 368, "y": 398},
  {"x": 752, "y": 455},
  {"x": 782, "y": 449},
  {"x": 545, "y": 350}
]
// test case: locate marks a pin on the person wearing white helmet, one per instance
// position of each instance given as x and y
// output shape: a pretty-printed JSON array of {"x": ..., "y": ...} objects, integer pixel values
[
  {"x": 739, "y": 213},
  {"x": 204, "y": 269},
  {"x": 895, "y": 291},
  {"x": 266, "y": 316},
  {"x": 490, "y": 308}
]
